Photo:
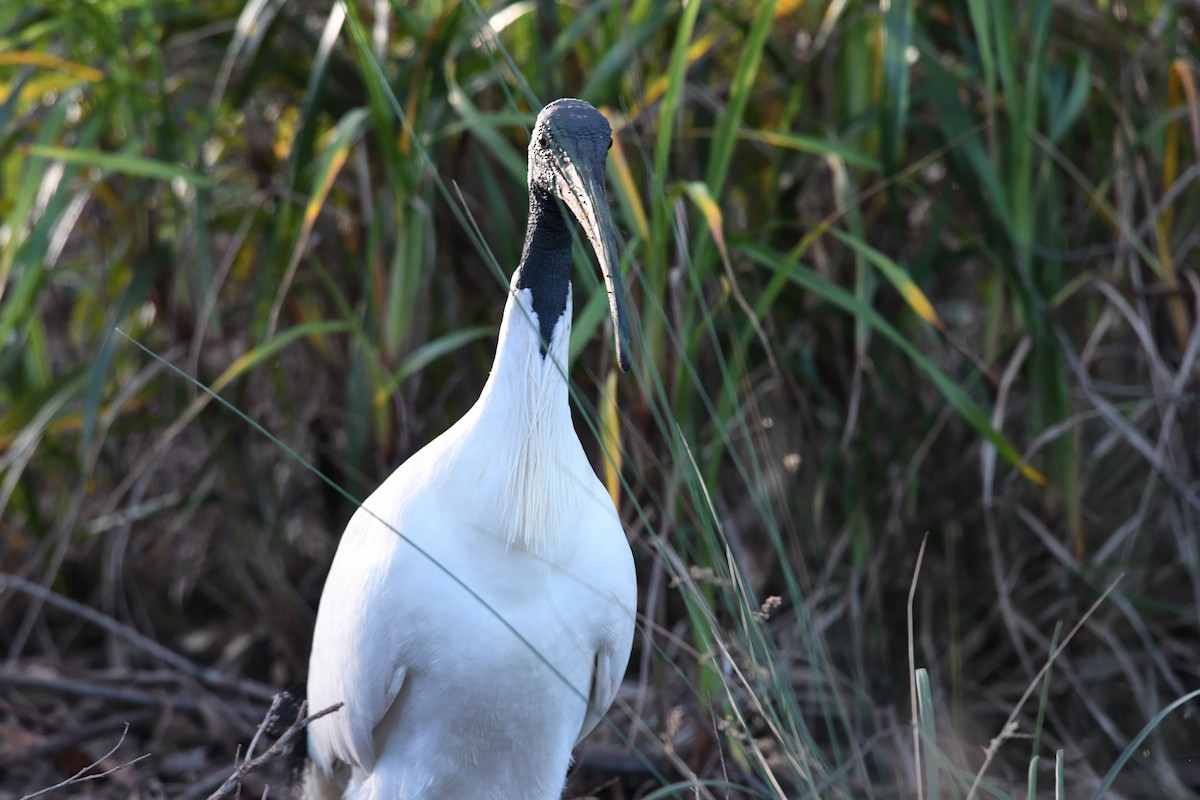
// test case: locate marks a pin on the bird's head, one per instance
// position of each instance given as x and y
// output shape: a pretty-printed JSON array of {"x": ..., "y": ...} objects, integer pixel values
[{"x": 567, "y": 153}]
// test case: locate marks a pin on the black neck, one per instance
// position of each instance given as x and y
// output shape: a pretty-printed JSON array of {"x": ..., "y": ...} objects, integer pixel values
[{"x": 545, "y": 268}]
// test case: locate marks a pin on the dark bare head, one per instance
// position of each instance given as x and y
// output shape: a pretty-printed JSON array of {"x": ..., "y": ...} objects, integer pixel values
[{"x": 567, "y": 155}]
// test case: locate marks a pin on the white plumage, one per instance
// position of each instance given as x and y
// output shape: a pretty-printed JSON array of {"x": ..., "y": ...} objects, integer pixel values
[{"x": 442, "y": 698}]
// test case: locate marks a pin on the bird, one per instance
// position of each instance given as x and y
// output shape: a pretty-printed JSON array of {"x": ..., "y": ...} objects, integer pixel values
[{"x": 479, "y": 612}]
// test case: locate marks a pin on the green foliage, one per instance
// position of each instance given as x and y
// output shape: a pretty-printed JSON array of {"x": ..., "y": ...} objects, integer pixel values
[{"x": 894, "y": 268}]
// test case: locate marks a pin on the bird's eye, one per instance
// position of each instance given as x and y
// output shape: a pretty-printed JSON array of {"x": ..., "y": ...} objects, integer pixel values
[
  {"x": 610, "y": 143},
  {"x": 543, "y": 141}
]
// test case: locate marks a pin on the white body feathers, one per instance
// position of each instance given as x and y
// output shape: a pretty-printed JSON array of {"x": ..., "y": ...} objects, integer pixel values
[{"x": 442, "y": 699}]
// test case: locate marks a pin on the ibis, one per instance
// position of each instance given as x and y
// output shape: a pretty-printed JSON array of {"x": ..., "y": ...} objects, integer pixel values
[{"x": 479, "y": 612}]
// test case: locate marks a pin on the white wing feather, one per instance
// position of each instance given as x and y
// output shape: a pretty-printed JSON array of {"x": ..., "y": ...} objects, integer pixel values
[{"x": 357, "y": 660}]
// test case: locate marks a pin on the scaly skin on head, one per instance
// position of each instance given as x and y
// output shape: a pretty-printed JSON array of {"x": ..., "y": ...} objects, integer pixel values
[{"x": 567, "y": 155}]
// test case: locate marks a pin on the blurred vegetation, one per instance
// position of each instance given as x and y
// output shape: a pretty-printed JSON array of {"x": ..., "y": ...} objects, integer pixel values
[{"x": 908, "y": 278}]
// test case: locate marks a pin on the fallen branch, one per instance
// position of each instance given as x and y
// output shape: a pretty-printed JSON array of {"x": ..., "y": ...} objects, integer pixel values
[
  {"x": 75, "y": 736},
  {"x": 206, "y": 675},
  {"x": 81, "y": 687}
]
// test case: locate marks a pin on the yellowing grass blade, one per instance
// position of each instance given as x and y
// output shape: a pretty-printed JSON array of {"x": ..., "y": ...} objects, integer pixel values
[
  {"x": 1181, "y": 88},
  {"x": 25, "y": 58},
  {"x": 308, "y": 312},
  {"x": 1181, "y": 71},
  {"x": 256, "y": 355},
  {"x": 610, "y": 437},
  {"x": 912, "y": 294},
  {"x": 68, "y": 423},
  {"x": 334, "y": 158},
  {"x": 625, "y": 183},
  {"x": 656, "y": 88},
  {"x": 698, "y": 193}
]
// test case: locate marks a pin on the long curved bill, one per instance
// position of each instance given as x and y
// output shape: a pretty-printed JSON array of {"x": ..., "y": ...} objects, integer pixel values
[{"x": 585, "y": 196}]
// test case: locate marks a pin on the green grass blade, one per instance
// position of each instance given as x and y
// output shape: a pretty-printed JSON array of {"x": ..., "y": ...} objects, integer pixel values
[
  {"x": 1045, "y": 699},
  {"x": 122, "y": 162},
  {"x": 380, "y": 95},
  {"x": 898, "y": 39},
  {"x": 931, "y": 754},
  {"x": 825, "y": 148},
  {"x": 1135, "y": 744},
  {"x": 730, "y": 120},
  {"x": 676, "y": 75},
  {"x": 431, "y": 351},
  {"x": 1065, "y": 113},
  {"x": 982, "y": 22}
]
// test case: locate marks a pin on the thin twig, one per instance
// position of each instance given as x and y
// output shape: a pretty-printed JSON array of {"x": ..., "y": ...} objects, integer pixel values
[
  {"x": 206, "y": 675},
  {"x": 274, "y": 751},
  {"x": 271, "y": 716},
  {"x": 82, "y": 776}
]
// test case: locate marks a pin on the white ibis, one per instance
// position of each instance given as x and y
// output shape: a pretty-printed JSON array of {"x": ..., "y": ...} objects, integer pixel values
[{"x": 479, "y": 613}]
